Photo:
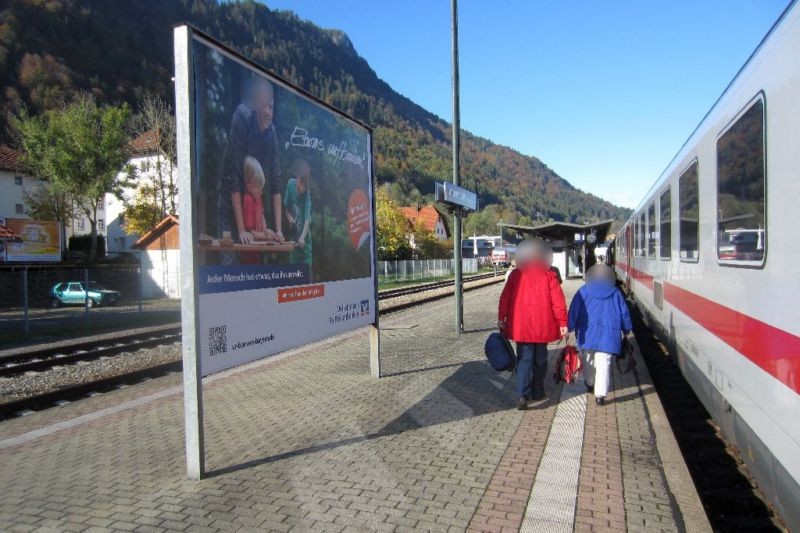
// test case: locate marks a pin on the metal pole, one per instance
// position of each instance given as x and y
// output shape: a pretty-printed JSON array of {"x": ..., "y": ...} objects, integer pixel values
[
  {"x": 192, "y": 378},
  {"x": 141, "y": 273},
  {"x": 457, "y": 175},
  {"x": 25, "y": 298},
  {"x": 86, "y": 296}
]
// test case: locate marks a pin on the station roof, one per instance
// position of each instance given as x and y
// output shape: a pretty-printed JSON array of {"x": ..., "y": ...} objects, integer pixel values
[{"x": 555, "y": 231}]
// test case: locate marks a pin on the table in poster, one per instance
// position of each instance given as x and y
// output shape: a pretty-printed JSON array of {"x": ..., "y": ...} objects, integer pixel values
[{"x": 258, "y": 246}]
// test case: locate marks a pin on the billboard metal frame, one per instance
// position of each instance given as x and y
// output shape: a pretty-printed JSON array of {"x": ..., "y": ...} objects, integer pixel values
[{"x": 185, "y": 125}]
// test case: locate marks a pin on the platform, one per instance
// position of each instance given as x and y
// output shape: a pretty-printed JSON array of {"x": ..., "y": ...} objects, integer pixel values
[{"x": 309, "y": 441}]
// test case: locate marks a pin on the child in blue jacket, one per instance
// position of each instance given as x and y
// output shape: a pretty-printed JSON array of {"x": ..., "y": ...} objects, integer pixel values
[{"x": 599, "y": 316}]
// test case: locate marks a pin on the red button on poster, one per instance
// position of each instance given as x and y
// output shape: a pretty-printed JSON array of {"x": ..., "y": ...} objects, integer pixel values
[{"x": 358, "y": 217}]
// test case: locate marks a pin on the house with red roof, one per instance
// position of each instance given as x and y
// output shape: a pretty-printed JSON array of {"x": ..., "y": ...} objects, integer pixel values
[{"x": 430, "y": 218}]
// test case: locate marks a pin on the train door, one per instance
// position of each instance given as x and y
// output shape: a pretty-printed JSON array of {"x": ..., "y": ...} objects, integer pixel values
[{"x": 628, "y": 254}]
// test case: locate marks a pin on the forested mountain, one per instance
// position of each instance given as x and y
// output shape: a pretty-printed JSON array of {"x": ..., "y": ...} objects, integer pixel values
[{"x": 120, "y": 50}]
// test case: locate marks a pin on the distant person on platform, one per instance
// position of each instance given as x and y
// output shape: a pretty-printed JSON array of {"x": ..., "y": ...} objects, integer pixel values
[
  {"x": 252, "y": 133},
  {"x": 297, "y": 201},
  {"x": 599, "y": 317},
  {"x": 532, "y": 312}
]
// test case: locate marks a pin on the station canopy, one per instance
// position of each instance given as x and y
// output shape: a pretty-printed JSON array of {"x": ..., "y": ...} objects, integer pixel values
[{"x": 560, "y": 231}]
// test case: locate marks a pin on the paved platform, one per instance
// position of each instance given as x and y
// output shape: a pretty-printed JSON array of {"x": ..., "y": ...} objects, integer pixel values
[{"x": 310, "y": 442}]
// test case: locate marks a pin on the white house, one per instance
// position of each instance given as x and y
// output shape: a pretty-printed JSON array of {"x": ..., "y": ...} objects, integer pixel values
[
  {"x": 146, "y": 160},
  {"x": 13, "y": 184}
]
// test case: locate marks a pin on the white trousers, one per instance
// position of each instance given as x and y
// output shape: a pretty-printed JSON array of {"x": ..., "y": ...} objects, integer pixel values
[{"x": 597, "y": 370}]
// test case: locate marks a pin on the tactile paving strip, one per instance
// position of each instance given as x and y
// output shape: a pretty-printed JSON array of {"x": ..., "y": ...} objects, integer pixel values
[{"x": 551, "y": 506}]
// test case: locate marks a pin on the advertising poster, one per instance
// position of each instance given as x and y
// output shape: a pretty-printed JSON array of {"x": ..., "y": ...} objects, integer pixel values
[
  {"x": 41, "y": 240},
  {"x": 282, "y": 195}
]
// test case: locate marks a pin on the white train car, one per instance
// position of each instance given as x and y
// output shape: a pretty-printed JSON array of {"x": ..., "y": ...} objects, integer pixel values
[{"x": 712, "y": 257}]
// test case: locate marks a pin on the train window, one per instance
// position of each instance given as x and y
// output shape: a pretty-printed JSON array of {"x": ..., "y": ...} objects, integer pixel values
[
  {"x": 689, "y": 214},
  {"x": 665, "y": 232},
  {"x": 741, "y": 184},
  {"x": 651, "y": 231}
]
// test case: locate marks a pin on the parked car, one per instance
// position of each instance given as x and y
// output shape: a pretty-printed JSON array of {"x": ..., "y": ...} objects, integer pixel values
[{"x": 73, "y": 293}]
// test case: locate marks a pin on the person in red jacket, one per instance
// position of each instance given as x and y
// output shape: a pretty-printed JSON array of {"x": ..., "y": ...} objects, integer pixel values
[{"x": 532, "y": 312}]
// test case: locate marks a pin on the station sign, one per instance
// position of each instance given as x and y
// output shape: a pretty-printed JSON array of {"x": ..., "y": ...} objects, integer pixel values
[{"x": 452, "y": 194}]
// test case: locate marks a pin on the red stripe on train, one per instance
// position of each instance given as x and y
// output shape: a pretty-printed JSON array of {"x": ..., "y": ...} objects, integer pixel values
[
  {"x": 774, "y": 350},
  {"x": 638, "y": 275}
]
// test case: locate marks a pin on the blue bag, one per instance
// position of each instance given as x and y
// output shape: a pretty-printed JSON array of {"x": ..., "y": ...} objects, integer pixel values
[{"x": 499, "y": 352}]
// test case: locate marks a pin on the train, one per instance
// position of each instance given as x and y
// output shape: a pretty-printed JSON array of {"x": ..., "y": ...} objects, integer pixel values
[{"x": 711, "y": 257}]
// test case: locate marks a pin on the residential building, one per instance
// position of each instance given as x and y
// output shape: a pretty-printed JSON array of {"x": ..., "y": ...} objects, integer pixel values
[
  {"x": 147, "y": 161},
  {"x": 13, "y": 184},
  {"x": 431, "y": 219}
]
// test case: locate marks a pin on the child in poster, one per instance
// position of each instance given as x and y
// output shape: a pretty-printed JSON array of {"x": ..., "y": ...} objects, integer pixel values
[
  {"x": 297, "y": 202},
  {"x": 253, "y": 209}
]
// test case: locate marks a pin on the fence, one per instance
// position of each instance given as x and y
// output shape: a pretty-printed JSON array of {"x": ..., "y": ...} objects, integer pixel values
[
  {"x": 422, "y": 269},
  {"x": 43, "y": 299}
]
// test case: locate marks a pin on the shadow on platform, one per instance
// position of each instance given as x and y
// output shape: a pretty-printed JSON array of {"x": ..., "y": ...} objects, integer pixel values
[{"x": 472, "y": 390}]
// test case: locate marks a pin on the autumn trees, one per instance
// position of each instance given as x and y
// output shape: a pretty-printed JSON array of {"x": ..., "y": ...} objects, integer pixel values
[{"x": 78, "y": 151}]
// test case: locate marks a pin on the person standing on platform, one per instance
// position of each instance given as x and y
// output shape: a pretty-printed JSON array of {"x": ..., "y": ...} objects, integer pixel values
[
  {"x": 599, "y": 317},
  {"x": 532, "y": 312}
]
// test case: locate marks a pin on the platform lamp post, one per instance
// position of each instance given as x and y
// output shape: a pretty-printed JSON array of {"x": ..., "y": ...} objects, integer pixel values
[{"x": 456, "y": 176}]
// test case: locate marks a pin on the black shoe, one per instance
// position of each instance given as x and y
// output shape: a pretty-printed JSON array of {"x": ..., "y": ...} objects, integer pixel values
[
  {"x": 600, "y": 400},
  {"x": 522, "y": 404},
  {"x": 589, "y": 388},
  {"x": 539, "y": 397}
]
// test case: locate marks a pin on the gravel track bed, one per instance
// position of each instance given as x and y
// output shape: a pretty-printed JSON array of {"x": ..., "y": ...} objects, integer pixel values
[{"x": 33, "y": 383}]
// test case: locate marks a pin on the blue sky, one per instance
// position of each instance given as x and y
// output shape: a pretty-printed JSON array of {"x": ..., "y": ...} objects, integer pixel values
[{"x": 603, "y": 92}]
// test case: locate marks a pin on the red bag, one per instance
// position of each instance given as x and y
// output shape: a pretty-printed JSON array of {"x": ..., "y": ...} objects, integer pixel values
[{"x": 569, "y": 365}]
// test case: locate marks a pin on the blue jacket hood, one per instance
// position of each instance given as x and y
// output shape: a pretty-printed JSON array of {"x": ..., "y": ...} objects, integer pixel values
[{"x": 601, "y": 289}]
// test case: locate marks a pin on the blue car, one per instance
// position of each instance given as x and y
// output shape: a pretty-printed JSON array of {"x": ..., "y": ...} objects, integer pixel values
[{"x": 74, "y": 293}]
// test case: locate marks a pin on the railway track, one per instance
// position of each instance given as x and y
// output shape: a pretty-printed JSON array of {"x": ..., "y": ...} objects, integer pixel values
[
  {"x": 425, "y": 287},
  {"x": 731, "y": 499},
  {"x": 47, "y": 359},
  {"x": 41, "y": 360}
]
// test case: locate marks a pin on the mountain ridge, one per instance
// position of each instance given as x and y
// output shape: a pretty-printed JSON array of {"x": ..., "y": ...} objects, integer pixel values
[{"x": 52, "y": 49}]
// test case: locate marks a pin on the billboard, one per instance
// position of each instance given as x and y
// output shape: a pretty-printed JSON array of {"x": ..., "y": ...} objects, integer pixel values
[
  {"x": 41, "y": 240},
  {"x": 281, "y": 200}
]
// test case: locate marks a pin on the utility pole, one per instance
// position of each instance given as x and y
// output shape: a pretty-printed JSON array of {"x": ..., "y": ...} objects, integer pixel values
[{"x": 457, "y": 176}]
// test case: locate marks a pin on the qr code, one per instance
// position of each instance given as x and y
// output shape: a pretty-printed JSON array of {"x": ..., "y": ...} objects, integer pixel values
[{"x": 217, "y": 340}]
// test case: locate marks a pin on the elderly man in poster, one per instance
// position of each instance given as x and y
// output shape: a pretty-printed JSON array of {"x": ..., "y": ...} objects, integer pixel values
[{"x": 252, "y": 133}]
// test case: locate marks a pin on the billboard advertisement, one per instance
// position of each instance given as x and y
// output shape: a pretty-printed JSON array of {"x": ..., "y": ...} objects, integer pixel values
[
  {"x": 282, "y": 200},
  {"x": 41, "y": 240}
]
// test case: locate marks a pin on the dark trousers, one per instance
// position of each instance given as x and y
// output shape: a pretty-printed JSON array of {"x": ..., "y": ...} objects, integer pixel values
[{"x": 531, "y": 369}]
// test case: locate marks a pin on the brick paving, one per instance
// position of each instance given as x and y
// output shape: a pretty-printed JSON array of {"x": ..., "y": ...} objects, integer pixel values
[
  {"x": 600, "y": 505},
  {"x": 311, "y": 442}
]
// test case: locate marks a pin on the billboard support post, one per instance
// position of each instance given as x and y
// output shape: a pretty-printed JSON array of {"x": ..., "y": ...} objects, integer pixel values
[
  {"x": 25, "y": 298},
  {"x": 457, "y": 176},
  {"x": 86, "y": 296},
  {"x": 192, "y": 381},
  {"x": 374, "y": 329}
]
